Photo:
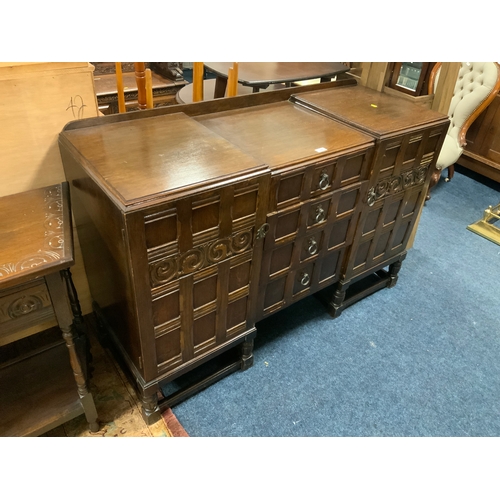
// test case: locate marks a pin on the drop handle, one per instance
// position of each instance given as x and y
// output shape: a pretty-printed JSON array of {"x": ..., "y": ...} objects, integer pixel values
[
  {"x": 313, "y": 246},
  {"x": 319, "y": 215},
  {"x": 304, "y": 279},
  {"x": 324, "y": 181}
]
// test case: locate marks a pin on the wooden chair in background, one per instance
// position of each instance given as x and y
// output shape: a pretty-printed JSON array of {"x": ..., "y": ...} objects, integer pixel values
[
  {"x": 198, "y": 81},
  {"x": 143, "y": 78}
]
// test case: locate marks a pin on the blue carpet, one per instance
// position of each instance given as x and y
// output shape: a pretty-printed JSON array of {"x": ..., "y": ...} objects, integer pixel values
[{"x": 420, "y": 359}]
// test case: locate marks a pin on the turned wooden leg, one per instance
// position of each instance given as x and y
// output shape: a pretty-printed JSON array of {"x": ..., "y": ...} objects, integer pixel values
[
  {"x": 150, "y": 409},
  {"x": 73, "y": 301},
  {"x": 247, "y": 354},
  {"x": 337, "y": 304},
  {"x": 436, "y": 175},
  {"x": 394, "y": 269},
  {"x": 59, "y": 298},
  {"x": 451, "y": 172},
  {"x": 78, "y": 321}
]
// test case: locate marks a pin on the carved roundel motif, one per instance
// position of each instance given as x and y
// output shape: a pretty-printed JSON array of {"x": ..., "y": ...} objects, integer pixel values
[{"x": 24, "y": 305}]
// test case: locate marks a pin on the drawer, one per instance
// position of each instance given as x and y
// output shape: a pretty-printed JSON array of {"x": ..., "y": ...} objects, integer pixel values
[
  {"x": 294, "y": 222},
  {"x": 24, "y": 306},
  {"x": 318, "y": 179}
]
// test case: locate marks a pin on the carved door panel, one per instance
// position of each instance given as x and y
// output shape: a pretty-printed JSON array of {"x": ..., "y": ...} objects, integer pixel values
[
  {"x": 402, "y": 169},
  {"x": 386, "y": 226},
  {"x": 203, "y": 258}
]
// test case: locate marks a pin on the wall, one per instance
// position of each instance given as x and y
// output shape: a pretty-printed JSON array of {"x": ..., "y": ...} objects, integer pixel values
[{"x": 36, "y": 101}]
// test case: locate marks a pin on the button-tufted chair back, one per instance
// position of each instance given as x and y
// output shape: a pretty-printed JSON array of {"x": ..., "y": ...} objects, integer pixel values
[{"x": 476, "y": 86}]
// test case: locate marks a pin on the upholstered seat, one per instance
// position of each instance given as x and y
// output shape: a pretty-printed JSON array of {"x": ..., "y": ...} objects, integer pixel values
[{"x": 476, "y": 86}]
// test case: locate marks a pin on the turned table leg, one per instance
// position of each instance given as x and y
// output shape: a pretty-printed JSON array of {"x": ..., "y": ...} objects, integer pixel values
[{"x": 59, "y": 297}]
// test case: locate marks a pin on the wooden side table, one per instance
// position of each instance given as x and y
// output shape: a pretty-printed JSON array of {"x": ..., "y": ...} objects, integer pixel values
[{"x": 47, "y": 387}]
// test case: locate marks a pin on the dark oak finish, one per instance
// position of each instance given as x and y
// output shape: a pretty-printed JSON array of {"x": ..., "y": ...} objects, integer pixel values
[
  {"x": 408, "y": 139},
  {"x": 320, "y": 172},
  {"x": 35, "y": 284},
  {"x": 196, "y": 222}
]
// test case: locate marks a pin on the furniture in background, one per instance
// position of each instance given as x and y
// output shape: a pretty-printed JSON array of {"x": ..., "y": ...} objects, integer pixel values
[
  {"x": 164, "y": 85},
  {"x": 410, "y": 77},
  {"x": 476, "y": 87},
  {"x": 196, "y": 91},
  {"x": 37, "y": 100},
  {"x": 259, "y": 75},
  {"x": 144, "y": 83},
  {"x": 284, "y": 194},
  {"x": 48, "y": 387},
  {"x": 482, "y": 152}
]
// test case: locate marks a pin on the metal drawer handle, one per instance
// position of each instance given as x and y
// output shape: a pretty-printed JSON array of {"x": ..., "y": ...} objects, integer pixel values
[
  {"x": 304, "y": 279},
  {"x": 262, "y": 231},
  {"x": 320, "y": 214},
  {"x": 324, "y": 181},
  {"x": 313, "y": 246}
]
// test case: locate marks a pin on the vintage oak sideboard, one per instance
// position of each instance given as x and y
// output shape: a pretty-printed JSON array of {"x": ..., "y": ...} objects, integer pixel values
[{"x": 198, "y": 220}]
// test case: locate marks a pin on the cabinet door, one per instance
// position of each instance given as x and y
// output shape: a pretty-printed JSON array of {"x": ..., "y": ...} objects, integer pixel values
[
  {"x": 201, "y": 270},
  {"x": 401, "y": 174},
  {"x": 311, "y": 227}
]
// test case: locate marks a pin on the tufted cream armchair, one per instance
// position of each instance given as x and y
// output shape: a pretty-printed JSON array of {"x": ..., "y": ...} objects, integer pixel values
[{"x": 476, "y": 86}]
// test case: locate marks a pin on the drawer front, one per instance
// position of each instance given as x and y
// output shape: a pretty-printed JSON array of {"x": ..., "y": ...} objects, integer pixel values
[
  {"x": 300, "y": 184},
  {"x": 24, "y": 306}
]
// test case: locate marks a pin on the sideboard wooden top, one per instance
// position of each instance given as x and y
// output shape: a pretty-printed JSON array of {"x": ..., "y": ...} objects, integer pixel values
[
  {"x": 139, "y": 160},
  {"x": 375, "y": 112},
  {"x": 284, "y": 133},
  {"x": 36, "y": 233}
]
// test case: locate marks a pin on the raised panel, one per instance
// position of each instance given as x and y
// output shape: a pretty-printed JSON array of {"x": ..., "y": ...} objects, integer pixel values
[
  {"x": 206, "y": 216},
  {"x": 371, "y": 220},
  {"x": 352, "y": 169},
  {"x": 287, "y": 224},
  {"x": 330, "y": 266},
  {"x": 166, "y": 308},
  {"x": 237, "y": 314},
  {"x": 281, "y": 259},
  {"x": 204, "y": 330},
  {"x": 391, "y": 211},
  {"x": 275, "y": 292},
  {"x": 347, "y": 201},
  {"x": 168, "y": 347},
  {"x": 244, "y": 204},
  {"x": 400, "y": 235},
  {"x": 239, "y": 276},
  {"x": 290, "y": 188},
  {"x": 338, "y": 234},
  {"x": 204, "y": 291},
  {"x": 161, "y": 230}
]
